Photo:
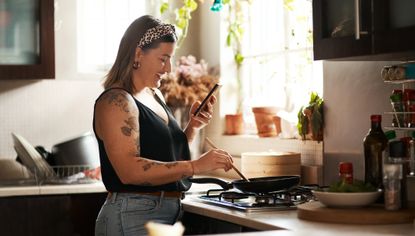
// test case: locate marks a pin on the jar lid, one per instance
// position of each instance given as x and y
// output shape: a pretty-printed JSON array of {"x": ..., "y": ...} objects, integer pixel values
[{"x": 345, "y": 167}]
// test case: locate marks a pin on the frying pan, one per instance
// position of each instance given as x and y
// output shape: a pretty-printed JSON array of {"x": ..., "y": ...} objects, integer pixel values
[{"x": 255, "y": 185}]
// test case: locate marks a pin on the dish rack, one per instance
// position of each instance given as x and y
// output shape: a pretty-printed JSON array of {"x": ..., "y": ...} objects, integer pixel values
[
  {"x": 69, "y": 174},
  {"x": 43, "y": 173}
]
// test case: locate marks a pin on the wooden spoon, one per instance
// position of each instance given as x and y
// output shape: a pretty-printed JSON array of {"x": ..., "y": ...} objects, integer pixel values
[{"x": 233, "y": 167}]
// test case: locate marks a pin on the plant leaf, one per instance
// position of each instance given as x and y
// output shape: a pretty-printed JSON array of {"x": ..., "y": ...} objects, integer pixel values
[
  {"x": 239, "y": 58},
  {"x": 228, "y": 40},
  {"x": 164, "y": 7}
]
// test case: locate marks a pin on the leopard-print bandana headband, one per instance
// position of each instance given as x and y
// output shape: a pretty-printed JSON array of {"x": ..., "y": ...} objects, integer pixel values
[{"x": 156, "y": 33}]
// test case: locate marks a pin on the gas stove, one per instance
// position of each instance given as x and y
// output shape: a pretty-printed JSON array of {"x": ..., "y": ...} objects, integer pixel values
[{"x": 259, "y": 202}]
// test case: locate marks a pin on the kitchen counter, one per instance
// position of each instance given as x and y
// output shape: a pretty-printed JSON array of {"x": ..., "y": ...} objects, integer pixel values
[
  {"x": 97, "y": 187},
  {"x": 287, "y": 220}
]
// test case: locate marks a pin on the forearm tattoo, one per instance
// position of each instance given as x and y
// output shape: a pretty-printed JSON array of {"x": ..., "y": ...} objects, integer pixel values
[{"x": 147, "y": 164}]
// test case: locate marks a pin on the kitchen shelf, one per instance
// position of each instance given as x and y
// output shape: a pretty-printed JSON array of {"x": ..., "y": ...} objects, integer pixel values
[
  {"x": 399, "y": 128},
  {"x": 398, "y": 112},
  {"x": 404, "y": 81}
]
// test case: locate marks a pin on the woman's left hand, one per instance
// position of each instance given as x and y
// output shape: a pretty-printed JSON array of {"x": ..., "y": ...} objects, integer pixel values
[{"x": 204, "y": 117}]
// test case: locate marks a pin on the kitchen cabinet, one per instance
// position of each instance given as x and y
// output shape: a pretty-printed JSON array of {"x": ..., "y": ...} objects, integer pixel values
[
  {"x": 364, "y": 30},
  {"x": 198, "y": 224},
  {"x": 27, "y": 47},
  {"x": 65, "y": 215}
]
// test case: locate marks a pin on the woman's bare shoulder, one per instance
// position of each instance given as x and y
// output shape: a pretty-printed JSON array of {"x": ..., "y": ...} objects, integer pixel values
[{"x": 116, "y": 98}]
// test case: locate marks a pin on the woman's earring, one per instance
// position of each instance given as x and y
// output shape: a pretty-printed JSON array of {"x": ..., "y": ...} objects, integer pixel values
[{"x": 136, "y": 65}]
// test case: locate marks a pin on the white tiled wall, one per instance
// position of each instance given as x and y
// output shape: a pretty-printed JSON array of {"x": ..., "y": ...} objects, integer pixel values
[{"x": 45, "y": 112}]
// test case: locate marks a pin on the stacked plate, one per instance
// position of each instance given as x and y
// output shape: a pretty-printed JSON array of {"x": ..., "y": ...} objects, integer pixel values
[{"x": 31, "y": 158}]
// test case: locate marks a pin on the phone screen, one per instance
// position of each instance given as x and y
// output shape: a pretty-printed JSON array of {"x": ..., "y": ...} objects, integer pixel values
[{"x": 206, "y": 99}]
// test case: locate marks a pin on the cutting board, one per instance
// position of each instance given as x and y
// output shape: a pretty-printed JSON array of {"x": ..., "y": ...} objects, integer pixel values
[
  {"x": 375, "y": 214},
  {"x": 262, "y": 164}
]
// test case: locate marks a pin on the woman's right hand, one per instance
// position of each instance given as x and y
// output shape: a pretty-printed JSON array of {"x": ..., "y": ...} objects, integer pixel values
[{"x": 212, "y": 160}]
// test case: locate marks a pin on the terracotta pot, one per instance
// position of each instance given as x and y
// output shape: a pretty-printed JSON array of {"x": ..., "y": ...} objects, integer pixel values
[
  {"x": 264, "y": 121},
  {"x": 234, "y": 124},
  {"x": 277, "y": 122}
]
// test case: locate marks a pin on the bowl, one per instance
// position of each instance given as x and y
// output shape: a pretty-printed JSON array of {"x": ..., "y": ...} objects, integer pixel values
[{"x": 346, "y": 199}]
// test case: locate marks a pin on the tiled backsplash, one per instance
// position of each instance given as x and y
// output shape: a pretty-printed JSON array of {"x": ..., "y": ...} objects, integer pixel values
[{"x": 45, "y": 112}]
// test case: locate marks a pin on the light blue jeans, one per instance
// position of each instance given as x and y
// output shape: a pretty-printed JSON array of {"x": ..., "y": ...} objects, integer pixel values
[{"x": 125, "y": 214}]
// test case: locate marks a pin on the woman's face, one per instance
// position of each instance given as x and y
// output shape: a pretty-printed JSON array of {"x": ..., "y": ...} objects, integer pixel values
[{"x": 153, "y": 64}]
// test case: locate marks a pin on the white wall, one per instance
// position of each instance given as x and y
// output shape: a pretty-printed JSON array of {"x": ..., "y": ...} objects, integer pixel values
[
  {"x": 352, "y": 92},
  {"x": 45, "y": 112}
]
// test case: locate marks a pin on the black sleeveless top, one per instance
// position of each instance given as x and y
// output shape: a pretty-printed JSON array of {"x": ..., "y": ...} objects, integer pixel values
[{"x": 158, "y": 141}]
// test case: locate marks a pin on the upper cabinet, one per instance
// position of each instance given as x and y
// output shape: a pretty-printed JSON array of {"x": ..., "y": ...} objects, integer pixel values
[
  {"x": 364, "y": 29},
  {"x": 27, "y": 47}
]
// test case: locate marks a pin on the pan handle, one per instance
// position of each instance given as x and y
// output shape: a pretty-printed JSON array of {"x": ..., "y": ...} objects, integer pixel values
[{"x": 219, "y": 182}]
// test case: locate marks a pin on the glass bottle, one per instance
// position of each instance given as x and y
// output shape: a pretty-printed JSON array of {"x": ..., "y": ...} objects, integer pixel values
[{"x": 374, "y": 145}]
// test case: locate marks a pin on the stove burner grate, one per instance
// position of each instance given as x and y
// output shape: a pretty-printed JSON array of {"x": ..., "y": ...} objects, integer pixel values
[{"x": 279, "y": 200}]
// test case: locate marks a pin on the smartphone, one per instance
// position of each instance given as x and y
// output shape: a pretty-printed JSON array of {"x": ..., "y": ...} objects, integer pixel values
[{"x": 206, "y": 99}]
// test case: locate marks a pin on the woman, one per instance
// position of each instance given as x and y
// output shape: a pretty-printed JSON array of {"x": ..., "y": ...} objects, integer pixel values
[{"x": 144, "y": 155}]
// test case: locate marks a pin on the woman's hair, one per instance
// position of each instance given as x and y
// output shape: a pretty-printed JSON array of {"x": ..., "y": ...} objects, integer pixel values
[{"x": 121, "y": 70}]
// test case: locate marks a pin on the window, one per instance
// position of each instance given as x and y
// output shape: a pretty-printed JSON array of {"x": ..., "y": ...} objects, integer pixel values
[
  {"x": 278, "y": 69},
  {"x": 88, "y": 33},
  {"x": 107, "y": 19}
]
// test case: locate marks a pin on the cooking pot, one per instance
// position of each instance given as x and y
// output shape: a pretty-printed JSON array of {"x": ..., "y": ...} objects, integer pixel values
[
  {"x": 255, "y": 185},
  {"x": 82, "y": 150}
]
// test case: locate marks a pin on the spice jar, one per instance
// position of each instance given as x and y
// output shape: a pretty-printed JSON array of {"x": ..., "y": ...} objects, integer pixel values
[{"x": 346, "y": 172}]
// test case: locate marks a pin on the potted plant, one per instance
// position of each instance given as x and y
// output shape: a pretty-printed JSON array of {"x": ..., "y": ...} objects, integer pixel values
[
  {"x": 234, "y": 122},
  {"x": 311, "y": 119}
]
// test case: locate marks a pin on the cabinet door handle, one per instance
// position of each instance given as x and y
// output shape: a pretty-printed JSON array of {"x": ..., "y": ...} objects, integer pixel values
[{"x": 357, "y": 19}]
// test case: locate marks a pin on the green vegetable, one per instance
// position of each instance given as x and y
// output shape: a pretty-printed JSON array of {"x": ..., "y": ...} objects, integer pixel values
[{"x": 357, "y": 186}]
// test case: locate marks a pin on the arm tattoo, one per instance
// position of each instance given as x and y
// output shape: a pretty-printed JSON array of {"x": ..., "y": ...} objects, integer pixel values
[
  {"x": 138, "y": 144},
  {"x": 170, "y": 165},
  {"x": 130, "y": 125},
  {"x": 148, "y": 164},
  {"x": 118, "y": 98}
]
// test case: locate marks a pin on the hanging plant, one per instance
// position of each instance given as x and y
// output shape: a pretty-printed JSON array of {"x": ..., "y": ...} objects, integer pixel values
[
  {"x": 183, "y": 17},
  {"x": 234, "y": 40}
]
